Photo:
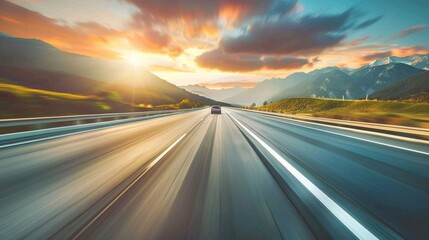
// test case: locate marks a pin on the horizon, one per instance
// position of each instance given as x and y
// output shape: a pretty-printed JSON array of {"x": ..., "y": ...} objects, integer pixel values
[{"x": 219, "y": 44}]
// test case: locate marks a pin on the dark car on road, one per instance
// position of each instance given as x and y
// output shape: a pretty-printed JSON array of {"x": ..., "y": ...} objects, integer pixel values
[{"x": 216, "y": 109}]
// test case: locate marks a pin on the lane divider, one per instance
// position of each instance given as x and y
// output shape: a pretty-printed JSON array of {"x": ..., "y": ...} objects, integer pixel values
[
  {"x": 153, "y": 163},
  {"x": 345, "y": 218},
  {"x": 344, "y": 135}
]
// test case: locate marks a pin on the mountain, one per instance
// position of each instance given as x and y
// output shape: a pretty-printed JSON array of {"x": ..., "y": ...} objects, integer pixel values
[
  {"x": 23, "y": 61},
  {"x": 415, "y": 87},
  {"x": 325, "y": 82},
  {"x": 333, "y": 84},
  {"x": 216, "y": 94},
  {"x": 264, "y": 90},
  {"x": 51, "y": 81},
  {"x": 330, "y": 82},
  {"x": 5, "y": 35},
  {"x": 371, "y": 79},
  {"x": 349, "y": 71},
  {"x": 420, "y": 61}
]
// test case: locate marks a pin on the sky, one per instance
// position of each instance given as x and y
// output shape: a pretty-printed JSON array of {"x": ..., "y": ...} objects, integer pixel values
[{"x": 225, "y": 43}]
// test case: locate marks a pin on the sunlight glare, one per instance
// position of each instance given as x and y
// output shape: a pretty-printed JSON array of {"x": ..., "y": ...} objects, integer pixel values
[{"x": 133, "y": 58}]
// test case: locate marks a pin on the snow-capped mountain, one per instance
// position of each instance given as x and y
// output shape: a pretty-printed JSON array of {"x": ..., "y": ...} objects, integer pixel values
[
  {"x": 371, "y": 79},
  {"x": 418, "y": 60}
]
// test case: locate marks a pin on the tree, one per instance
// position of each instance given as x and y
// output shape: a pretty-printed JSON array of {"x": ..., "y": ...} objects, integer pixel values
[
  {"x": 253, "y": 105},
  {"x": 265, "y": 103},
  {"x": 187, "y": 103},
  {"x": 110, "y": 95}
]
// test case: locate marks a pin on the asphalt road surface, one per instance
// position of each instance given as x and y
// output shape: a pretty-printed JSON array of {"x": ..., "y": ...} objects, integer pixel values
[{"x": 238, "y": 175}]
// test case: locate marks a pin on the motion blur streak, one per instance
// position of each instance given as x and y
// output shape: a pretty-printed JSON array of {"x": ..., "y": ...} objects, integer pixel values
[
  {"x": 360, "y": 231},
  {"x": 138, "y": 178},
  {"x": 217, "y": 182}
]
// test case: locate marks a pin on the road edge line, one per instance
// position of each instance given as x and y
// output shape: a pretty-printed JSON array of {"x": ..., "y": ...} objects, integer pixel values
[
  {"x": 352, "y": 137},
  {"x": 345, "y": 218}
]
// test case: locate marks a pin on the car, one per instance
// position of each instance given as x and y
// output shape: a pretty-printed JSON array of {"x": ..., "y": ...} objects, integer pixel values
[{"x": 216, "y": 109}]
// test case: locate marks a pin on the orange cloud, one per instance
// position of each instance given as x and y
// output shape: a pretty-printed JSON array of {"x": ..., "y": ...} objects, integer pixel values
[
  {"x": 230, "y": 14},
  {"x": 88, "y": 38},
  {"x": 406, "y": 51},
  {"x": 357, "y": 41},
  {"x": 409, "y": 31},
  {"x": 163, "y": 68},
  {"x": 219, "y": 85},
  {"x": 21, "y": 22},
  {"x": 375, "y": 56}
]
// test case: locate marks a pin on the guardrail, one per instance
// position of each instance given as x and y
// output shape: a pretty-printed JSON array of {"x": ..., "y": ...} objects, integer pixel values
[
  {"x": 75, "y": 118},
  {"x": 79, "y": 124},
  {"x": 405, "y": 131}
]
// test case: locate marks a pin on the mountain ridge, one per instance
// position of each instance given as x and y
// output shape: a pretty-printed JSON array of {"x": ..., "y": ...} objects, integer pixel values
[
  {"x": 216, "y": 94},
  {"x": 414, "y": 87},
  {"x": 135, "y": 85},
  {"x": 357, "y": 83}
]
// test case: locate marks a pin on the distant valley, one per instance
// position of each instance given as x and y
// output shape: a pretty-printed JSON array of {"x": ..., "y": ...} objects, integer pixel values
[{"x": 216, "y": 94}]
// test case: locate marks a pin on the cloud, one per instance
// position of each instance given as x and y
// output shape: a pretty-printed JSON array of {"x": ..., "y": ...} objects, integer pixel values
[
  {"x": 393, "y": 51},
  {"x": 165, "y": 68},
  {"x": 191, "y": 23},
  {"x": 376, "y": 55},
  {"x": 242, "y": 35},
  {"x": 368, "y": 22},
  {"x": 408, "y": 31},
  {"x": 406, "y": 51},
  {"x": 219, "y": 85},
  {"x": 287, "y": 36},
  {"x": 357, "y": 41},
  {"x": 284, "y": 63},
  {"x": 275, "y": 42},
  {"x": 198, "y": 12},
  {"x": 219, "y": 60},
  {"x": 87, "y": 38}
]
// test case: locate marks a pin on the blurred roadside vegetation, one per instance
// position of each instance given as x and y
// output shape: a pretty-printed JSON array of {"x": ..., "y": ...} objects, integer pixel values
[
  {"x": 385, "y": 112},
  {"x": 18, "y": 102}
]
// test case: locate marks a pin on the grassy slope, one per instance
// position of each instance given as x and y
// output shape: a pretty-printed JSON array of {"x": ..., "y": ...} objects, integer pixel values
[
  {"x": 389, "y": 112},
  {"x": 148, "y": 90},
  {"x": 18, "y": 101}
]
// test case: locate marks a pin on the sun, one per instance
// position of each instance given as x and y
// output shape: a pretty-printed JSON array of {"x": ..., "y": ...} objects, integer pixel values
[{"x": 133, "y": 58}]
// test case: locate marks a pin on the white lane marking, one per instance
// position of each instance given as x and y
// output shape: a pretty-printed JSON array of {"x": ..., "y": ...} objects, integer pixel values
[
  {"x": 344, "y": 135},
  {"x": 337, "y": 120},
  {"x": 350, "y": 129},
  {"x": 352, "y": 224},
  {"x": 155, "y": 161}
]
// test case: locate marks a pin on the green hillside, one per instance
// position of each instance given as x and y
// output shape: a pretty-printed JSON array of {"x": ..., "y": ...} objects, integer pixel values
[
  {"x": 413, "y": 88},
  {"x": 28, "y": 102},
  {"x": 389, "y": 112}
]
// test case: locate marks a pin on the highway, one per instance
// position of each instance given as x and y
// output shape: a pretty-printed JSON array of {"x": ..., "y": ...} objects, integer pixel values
[{"x": 194, "y": 175}]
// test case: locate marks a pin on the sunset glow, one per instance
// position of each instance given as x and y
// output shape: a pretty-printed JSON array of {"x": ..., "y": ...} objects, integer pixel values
[
  {"x": 133, "y": 58},
  {"x": 210, "y": 42}
]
